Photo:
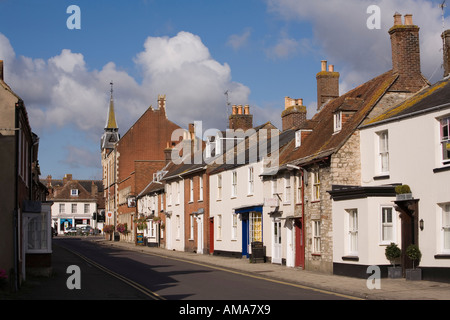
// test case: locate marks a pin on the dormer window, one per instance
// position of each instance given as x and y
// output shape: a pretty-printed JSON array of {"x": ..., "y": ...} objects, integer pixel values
[
  {"x": 74, "y": 192},
  {"x": 298, "y": 138},
  {"x": 337, "y": 121}
]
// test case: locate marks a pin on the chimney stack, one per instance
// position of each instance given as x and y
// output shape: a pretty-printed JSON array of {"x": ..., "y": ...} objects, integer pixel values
[
  {"x": 294, "y": 114},
  {"x": 406, "y": 54},
  {"x": 327, "y": 84},
  {"x": 446, "y": 41},
  {"x": 167, "y": 153},
  {"x": 241, "y": 118}
]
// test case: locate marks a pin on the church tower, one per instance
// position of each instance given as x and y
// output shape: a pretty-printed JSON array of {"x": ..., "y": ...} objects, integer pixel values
[{"x": 111, "y": 134}]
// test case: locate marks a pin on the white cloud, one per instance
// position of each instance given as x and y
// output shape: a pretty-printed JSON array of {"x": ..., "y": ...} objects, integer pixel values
[
  {"x": 358, "y": 53},
  {"x": 237, "y": 41},
  {"x": 62, "y": 91},
  {"x": 285, "y": 48}
]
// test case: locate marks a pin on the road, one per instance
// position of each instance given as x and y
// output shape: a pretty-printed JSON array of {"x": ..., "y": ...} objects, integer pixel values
[{"x": 166, "y": 278}]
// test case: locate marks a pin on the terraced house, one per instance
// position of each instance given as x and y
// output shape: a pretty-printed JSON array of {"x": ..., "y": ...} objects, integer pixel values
[{"x": 329, "y": 204}]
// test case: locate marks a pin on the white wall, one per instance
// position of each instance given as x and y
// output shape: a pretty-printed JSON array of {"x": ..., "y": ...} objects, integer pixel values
[
  {"x": 414, "y": 151},
  {"x": 226, "y": 205}
]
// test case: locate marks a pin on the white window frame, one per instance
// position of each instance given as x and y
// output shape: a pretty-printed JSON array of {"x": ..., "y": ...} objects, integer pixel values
[
  {"x": 274, "y": 185},
  {"x": 444, "y": 140},
  {"x": 299, "y": 180},
  {"x": 219, "y": 186},
  {"x": 316, "y": 186},
  {"x": 352, "y": 226},
  {"x": 337, "y": 121},
  {"x": 178, "y": 225},
  {"x": 255, "y": 226},
  {"x": 219, "y": 227},
  {"x": 287, "y": 188},
  {"x": 316, "y": 236},
  {"x": 191, "y": 226},
  {"x": 38, "y": 237},
  {"x": 386, "y": 224},
  {"x": 200, "y": 187},
  {"x": 74, "y": 192},
  {"x": 74, "y": 208},
  {"x": 234, "y": 184},
  {"x": 191, "y": 190},
  {"x": 62, "y": 208},
  {"x": 383, "y": 152},
  {"x": 298, "y": 138},
  {"x": 234, "y": 225},
  {"x": 445, "y": 228},
  {"x": 251, "y": 183},
  {"x": 87, "y": 208}
]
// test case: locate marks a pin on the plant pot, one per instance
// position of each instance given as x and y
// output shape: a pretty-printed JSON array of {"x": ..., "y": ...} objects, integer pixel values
[
  {"x": 404, "y": 196},
  {"x": 395, "y": 272},
  {"x": 414, "y": 274}
]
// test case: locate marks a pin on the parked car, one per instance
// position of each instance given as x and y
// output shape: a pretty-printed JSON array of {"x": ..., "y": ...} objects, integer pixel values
[
  {"x": 87, "y": 230},
  {"x": 70, "y": 230}
]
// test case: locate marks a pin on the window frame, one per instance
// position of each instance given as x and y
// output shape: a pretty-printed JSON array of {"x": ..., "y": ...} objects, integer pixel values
[
  {"x": 392, "y": 224},
  {"x": 234, "y": 184},
  {"x": 444, "y": 140},
  {"x": 383, "y": 155},
  {"x": 353, "y": 233},
  {"x": 316, "y": 185},
  {"x": 316, "y": 237},
  {"x": 251, "y": 182},
  {"x": 444, "y": 227}
]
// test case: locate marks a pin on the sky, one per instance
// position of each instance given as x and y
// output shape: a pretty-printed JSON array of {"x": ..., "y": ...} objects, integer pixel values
[{"x": 193, "y": 51}]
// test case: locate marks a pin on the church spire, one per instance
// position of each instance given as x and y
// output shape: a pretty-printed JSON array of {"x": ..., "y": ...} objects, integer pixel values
[
  {"x": 111, "y": 134},
  {"x": 111, "y": 120}
]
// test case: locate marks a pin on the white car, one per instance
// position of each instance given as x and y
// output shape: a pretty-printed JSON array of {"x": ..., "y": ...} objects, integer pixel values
[{"x": 70, "y": 230}]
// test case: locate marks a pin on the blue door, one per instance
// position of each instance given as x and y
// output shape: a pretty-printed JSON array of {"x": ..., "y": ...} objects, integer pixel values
[{"x": 245, "y": 235}]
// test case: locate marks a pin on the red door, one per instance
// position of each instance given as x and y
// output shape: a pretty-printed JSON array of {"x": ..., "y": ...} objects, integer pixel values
[
  {"x": 299, "y": 244},
  {"x": 211, "y": 235}
]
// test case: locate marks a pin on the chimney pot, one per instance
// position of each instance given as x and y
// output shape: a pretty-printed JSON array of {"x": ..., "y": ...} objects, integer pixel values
[
  {"x": 240, "y": 109},
  {"x": 331, "y": 68},
  {"x": 247, "y": 109},
  {"x": 324, "y": 65},
  {"x": 234, "y": 109},
  {"x": 408, "y": 20},
  {"x": 397, "y": 19}
]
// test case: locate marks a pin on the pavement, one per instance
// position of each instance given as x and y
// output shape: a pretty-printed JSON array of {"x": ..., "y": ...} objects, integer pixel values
[{"x": 389, "y": 289}]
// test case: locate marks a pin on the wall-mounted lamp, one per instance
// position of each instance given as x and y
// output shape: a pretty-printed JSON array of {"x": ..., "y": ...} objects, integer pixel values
[{"x": 421, "y": 224}]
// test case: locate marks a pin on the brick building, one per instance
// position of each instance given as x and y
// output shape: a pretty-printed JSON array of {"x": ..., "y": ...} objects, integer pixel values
[{"x": 129, "y": 163}]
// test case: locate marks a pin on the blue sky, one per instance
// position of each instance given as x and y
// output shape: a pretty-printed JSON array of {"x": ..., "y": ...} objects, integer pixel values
[{"x": 192, "y": 51}]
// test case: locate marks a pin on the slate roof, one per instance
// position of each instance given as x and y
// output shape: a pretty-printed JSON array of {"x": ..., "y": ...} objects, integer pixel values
[
  {"x": 437, "y": 95},
  {"x": 323, "y": 141}
]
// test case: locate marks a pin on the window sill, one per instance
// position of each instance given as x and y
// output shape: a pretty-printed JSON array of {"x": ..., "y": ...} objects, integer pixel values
[
  {"x": 350, "y": 258},
  {"x": 381, "y": 177},
  {"x": 316, "y": 254},
  {"x": 441, "y": 169},
  {"x": 442, "y": 256}
]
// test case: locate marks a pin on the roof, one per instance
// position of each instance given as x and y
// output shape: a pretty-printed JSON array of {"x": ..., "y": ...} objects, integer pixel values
[
  {"x": 323, "y": 141},
  {"x": 426, "y": 100}
]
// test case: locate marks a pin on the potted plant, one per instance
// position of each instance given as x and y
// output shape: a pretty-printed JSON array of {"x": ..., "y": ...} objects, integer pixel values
[
  {"x": 122, "y": 228},
  {"x": 108, "y": 230},
  {"x": 393, "y": 252},
  {"x": 403, "y": 192},
  {"x": 413, "y": 253},
  {"x": 141, "y": 223}
]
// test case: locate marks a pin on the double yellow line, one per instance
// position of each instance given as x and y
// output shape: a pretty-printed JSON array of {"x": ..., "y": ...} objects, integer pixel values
[{"x": 135, "y": 285}]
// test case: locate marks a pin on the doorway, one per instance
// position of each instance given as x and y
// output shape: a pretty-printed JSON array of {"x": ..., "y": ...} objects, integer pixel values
[{"x": 276, "y": 242}]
